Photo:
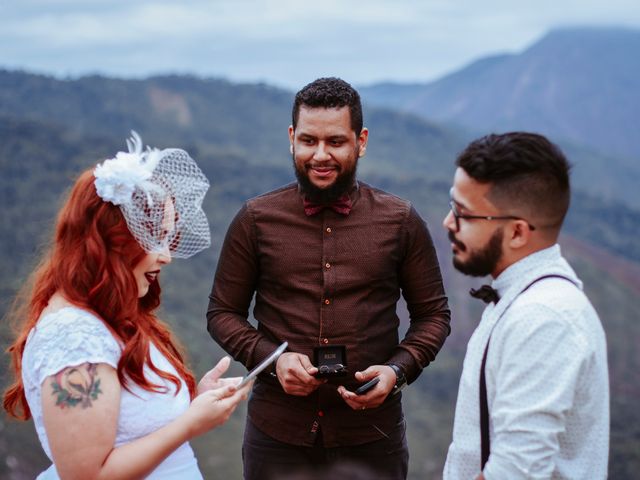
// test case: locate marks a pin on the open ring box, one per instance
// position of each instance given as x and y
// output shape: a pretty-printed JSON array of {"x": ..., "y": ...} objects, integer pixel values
[{"x": 331, "y": 361}]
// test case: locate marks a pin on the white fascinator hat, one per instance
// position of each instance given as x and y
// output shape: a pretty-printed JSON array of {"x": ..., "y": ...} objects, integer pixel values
[{"x": 160, "y": 194}]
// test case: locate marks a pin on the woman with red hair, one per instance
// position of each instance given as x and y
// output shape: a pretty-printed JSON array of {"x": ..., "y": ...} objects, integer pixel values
[{"x": 102, "y": 377}]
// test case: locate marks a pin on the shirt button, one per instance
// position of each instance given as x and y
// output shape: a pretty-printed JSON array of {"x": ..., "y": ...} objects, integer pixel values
[
  {"x": 327, "y": 301},
  {"x": 325, "y": 340},
  {"x": 328, "y": 229},
  {"x": 327, "y": 265}
]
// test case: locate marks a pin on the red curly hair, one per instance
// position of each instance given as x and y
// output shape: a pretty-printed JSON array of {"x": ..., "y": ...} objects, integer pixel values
[{"x": 91, "y": 263}]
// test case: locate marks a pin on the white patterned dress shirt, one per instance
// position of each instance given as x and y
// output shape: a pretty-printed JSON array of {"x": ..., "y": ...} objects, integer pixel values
[{"x": 547, "y": 380}]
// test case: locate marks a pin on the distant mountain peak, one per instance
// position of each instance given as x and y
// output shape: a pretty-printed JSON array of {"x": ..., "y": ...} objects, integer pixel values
[
  {"x": 577, "y": 84},
  {"x": 592, "y": 40}
]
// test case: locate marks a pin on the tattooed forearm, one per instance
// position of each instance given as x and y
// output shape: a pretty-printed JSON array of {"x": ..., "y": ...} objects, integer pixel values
[{"x": 76, "y": 386}]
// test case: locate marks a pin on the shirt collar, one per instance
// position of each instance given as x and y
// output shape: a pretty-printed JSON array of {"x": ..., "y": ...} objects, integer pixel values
[{"x": 525, "y": 267}]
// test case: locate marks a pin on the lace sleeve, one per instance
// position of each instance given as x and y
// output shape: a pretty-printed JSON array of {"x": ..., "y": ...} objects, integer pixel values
[{"x": 65, "y": 338}]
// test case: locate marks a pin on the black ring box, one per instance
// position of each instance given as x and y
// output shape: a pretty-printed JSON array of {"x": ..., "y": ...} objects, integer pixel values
[{"x": 331, "y": 360}]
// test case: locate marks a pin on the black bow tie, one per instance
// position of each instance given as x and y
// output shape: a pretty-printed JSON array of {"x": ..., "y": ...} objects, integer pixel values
[{"x": 486, "y": 293}]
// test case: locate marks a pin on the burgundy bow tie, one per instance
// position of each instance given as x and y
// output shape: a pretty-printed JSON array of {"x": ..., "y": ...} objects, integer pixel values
[
  {"x": 486, "y": 293},
  {"x": 342, "y": 206}
]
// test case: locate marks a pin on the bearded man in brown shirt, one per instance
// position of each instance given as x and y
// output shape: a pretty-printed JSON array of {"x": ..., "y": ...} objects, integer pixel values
[{"x": 327, "y": 258}]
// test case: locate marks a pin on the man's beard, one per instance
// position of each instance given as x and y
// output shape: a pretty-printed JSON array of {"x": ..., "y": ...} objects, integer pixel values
[
  {"x": 480, "y": 262},
  {"x": 342, "y": 185}
]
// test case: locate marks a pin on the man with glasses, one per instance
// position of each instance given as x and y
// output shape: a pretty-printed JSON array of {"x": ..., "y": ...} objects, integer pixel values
[{"x": 533, "y": 400}]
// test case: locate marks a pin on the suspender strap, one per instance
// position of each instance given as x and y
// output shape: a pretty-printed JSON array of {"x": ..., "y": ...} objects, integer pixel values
[{"x": 485, "y": 444}]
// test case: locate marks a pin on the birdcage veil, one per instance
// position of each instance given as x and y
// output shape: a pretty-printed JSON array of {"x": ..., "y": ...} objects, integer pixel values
[{"x": 160, "y": 193}]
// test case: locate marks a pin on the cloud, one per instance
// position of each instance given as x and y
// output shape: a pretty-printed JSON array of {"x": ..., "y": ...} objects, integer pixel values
[{"x": 284, "y": 42}]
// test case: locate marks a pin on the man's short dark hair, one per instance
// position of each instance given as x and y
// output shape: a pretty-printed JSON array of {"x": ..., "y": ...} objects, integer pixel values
[
  {"x": 329, "y": 93},
  {"x": 529, "y": 175}
]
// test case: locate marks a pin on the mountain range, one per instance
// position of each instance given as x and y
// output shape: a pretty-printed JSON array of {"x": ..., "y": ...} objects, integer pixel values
[{"x": 579, "y": 86}]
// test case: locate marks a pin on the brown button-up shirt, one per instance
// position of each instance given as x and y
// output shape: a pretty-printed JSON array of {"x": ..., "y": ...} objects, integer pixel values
[{"x": 328, "y": 279}]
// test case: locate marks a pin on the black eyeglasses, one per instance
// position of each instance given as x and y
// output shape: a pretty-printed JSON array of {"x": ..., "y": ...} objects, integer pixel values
[{"x": 457, "y": 216}]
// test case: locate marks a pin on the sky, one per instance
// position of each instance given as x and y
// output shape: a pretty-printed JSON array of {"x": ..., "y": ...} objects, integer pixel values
[{"x": 285, "y": 43}]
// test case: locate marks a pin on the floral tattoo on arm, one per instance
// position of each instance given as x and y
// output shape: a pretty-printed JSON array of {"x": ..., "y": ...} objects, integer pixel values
[{"x": 76, "y": 386}]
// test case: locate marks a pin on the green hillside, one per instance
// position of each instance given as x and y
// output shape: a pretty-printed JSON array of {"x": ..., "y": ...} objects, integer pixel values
[{"x": 64, "y": 127}]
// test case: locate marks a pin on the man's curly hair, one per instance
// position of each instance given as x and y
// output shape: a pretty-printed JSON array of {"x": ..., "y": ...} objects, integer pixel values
[{"x": 329, "y": 92}]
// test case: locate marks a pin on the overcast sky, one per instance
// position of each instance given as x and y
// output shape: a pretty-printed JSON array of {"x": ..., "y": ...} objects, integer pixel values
[{"x": 286, "y": 43}]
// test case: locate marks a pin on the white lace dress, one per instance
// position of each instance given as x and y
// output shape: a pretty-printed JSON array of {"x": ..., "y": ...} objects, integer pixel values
[{"x": 70, "y": 337}]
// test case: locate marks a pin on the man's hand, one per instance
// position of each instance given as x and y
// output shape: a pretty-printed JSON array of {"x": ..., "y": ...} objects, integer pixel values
[
  {"x": 296, "y": 374},
  {"x": 374, "y": 397}
]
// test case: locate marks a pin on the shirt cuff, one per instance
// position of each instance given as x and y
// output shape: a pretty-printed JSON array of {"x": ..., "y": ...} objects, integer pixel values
[{"x": 405, "y": 360}]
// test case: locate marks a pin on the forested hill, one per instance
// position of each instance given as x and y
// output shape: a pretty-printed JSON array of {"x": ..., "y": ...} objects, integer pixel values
[
  {"x": 51, "y": 129},
  {"x": 212, "y": 114},
  {"x": 230, "y": 121}
]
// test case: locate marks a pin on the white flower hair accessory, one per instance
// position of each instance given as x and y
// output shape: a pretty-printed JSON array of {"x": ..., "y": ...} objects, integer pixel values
[
  {"x": 117, "y": 178},
  {"x": 160, "y": 194}
]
